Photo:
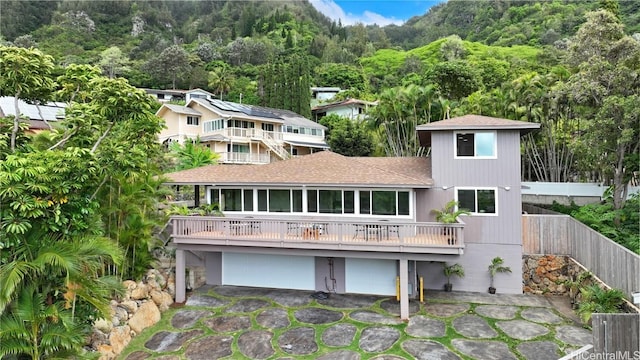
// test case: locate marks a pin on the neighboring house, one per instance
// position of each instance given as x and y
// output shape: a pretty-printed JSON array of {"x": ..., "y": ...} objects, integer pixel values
[
  {"x": 165, "y": 96},
  {"x": 242, "y": 134},
  {"x": 353, "y": 109},
  {"x": 323, "y": 94},
  {"x": 326, "y": 222},
  {"x": 41, "y": 116}
]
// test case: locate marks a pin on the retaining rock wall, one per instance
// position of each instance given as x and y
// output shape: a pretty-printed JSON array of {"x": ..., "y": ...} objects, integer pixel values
[
  {"x": 549, "y": 274},
  {"x": 136, "y": 310}
]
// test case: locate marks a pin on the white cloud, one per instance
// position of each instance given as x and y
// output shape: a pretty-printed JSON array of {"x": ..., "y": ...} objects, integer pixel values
[{"x": 335, "y": 12}]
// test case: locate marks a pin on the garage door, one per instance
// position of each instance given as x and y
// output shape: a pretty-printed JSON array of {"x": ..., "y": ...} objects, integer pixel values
[
  {"x": 274, "y": 271},
  {"x": 370, "y": 276}
]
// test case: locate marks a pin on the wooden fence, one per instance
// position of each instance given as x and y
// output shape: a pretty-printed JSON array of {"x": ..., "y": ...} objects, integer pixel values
[
  {"x": 617, "y": 334},
  {"x": 562, "y": 235}
]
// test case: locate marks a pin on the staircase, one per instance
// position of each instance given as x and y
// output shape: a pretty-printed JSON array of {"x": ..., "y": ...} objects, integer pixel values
[{"x": 275, "y": 146}]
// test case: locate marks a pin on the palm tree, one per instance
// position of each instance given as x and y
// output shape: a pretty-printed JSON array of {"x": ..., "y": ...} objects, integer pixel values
[
  {"x": 57, "y": 265},
  {"x": 496, "y": 266},
  {"x": 220, "y": 80},
  {"x": 32, "y": 327},
  {"x": 193, "y": 154}
]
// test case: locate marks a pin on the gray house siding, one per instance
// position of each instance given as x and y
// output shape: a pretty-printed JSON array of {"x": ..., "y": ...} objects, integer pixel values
[
  {"x": 501, "y": 173},
  {"x": 475, "y": 261},
  {"x": 486, "y": 236}
]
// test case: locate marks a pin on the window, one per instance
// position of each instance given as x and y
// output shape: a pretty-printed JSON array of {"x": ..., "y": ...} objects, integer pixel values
[
  {"x": 213, "y": 125},
  {"x": 349, "y": 205},
  {"x": 231, "y": 199},
  {"x": 240, "y": 124},
  {"x": 384, "y": 202},
  {"x": 279, "y": 201},
  {"x": 477, "y": 201},
  {"x": 312, "y": 201},
  {"x": 238, "y": 148},
  {"x": 267, "y": 127},
  {"x": 262, "y": 200},
  {"x": 193, "y": 120},
  {"x": 365, "y": 202},
  {"x": 248, "y": 200},
  {"x": 297, "y": 200},
  {"x": 330, "y": 201},
  {"x": 478, "y": 144}
]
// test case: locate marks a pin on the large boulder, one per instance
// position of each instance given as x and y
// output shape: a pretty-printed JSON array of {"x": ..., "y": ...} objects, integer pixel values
[
  {"x": 147, "y": 315},
  {"x": 119, "y": 338},
  {"x": 162, "y": 299},
  {"x": 140, "y": 292},
  {"x": 129, "y": 305}
]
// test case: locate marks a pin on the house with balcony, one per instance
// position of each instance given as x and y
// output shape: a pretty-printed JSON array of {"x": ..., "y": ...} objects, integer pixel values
[
  {"x": 353, "y": 109},
  {"x": 177, "y": 95},
  {"x": 326, "y": 222},
  {"x": 240, "y": 133}
]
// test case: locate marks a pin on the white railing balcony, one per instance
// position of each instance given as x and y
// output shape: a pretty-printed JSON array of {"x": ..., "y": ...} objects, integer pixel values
[
  {"x": 244, "y": 158},
  {"x": 379, "y": 236}
]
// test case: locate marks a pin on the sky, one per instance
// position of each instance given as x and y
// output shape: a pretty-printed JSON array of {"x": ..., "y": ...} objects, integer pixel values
[{"x": 367, "y": 12}]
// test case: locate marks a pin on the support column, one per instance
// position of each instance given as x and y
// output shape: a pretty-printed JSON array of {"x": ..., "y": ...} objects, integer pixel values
[
  {"x": 404, "y": 289},
  {"x": 180, "y": 277}
]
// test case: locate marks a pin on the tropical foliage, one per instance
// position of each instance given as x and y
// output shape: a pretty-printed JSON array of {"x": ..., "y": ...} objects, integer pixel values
[
  {"x": 80, "y": 198},
  {"x": 595, "y": 299},
  {"x": 77, "y": 203}
]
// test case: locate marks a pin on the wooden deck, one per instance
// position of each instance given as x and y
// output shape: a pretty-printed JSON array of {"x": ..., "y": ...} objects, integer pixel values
[{"x": 373, "y": 236}]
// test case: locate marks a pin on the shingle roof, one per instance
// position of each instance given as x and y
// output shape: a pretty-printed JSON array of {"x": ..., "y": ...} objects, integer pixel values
[
  {"x": 478, "y": 122},
  {"x": 324, "y": 168}
]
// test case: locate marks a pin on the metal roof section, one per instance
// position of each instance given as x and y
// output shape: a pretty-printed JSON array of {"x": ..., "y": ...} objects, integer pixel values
[
  {"x": 229, "y": 109},
  {"x": 242, "y": 108},
  {"x": 346, "y": 102},
  {"x": 307, "y": 144},
  {"x": 50, "y": 111}
]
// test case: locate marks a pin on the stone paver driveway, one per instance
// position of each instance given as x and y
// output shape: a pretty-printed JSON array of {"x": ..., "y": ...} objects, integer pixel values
[{"x": 249, "y": 323}]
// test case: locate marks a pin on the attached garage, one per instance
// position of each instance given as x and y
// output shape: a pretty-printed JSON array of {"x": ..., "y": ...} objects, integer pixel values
[
  {"x": 371, "y": 276},
  {"x": 269, "y": 271}
]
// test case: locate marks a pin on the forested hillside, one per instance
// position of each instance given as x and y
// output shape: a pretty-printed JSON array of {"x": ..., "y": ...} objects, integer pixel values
[{"x": 78, "y": 202}]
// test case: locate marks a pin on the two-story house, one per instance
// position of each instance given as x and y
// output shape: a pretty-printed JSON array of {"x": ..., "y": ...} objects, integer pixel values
[
  {"x": 326, "y": 222},
  {"x": 240, "y": 133}
]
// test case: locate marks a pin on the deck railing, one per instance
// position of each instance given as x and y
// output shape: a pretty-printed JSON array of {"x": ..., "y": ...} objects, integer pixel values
[
  {"x": 318, "y": 233},
  {"x": 244, "y": 158}
]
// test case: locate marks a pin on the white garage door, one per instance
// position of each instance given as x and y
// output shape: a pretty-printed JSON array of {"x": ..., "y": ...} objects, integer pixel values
[
  {"x": 274, "y": 271},
  {"x": 370, "y": 276}
]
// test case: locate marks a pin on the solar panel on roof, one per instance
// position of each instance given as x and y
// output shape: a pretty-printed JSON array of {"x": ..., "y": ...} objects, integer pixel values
[{"x": 241, "y": 108}]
